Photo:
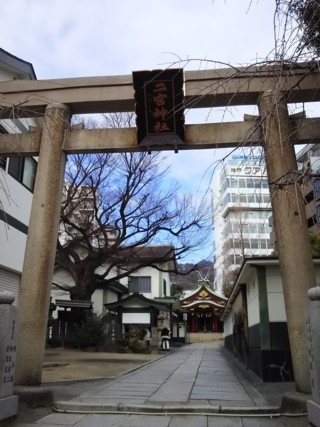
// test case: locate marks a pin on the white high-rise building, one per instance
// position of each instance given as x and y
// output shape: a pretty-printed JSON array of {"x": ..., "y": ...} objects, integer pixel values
[{"x": 241, "y": 212}]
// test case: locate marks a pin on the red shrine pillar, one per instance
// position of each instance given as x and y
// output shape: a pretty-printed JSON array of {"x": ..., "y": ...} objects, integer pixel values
[{"x": 215, "y": 328}]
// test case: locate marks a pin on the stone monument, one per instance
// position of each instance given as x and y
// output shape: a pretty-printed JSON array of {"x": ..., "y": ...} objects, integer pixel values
[
  {"x": 8, "y": 333},
  {"x": 313, "y": 335}
]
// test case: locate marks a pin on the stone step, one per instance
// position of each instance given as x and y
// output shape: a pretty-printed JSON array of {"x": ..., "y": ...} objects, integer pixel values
[{"x": 204, "y": 337}]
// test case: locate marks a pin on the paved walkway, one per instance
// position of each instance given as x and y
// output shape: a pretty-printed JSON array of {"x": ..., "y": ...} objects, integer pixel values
[
  {"x": 196, "y": 385},
  {"x": 191, "y": 376}
]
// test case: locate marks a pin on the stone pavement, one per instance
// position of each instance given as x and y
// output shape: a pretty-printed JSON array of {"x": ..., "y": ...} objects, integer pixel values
[{"x": 195, "y": 385}]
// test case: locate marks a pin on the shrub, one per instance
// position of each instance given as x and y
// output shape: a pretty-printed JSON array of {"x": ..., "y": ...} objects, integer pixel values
[
  {"x": 135, "y": 339},
  {"x": 92, "y": 331}
]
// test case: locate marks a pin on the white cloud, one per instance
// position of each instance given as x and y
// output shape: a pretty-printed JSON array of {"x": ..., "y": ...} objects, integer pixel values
[
  {"x": 77, "y": 38},
  {"x": 70, "y": 38}
]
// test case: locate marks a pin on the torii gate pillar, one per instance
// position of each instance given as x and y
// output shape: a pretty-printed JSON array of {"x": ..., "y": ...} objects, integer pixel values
[
  {"x": 41, "y": 244},
  {"x": 292, "y": 242}
]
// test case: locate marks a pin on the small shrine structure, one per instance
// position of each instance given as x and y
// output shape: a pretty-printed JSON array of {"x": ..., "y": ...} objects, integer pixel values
[{"x": 204, "y": 307}]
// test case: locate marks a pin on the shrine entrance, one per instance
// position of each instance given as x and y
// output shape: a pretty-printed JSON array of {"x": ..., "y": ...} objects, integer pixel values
[
  {"x": 270, "y": 88},
  {"x": 204, "y": 307},
  {"x": 204, "y": 321}
]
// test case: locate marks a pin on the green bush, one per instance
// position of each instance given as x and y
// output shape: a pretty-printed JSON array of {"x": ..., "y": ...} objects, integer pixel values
[
  {"x": 135, "y": 339},
  {"x": 92, "y": 331}
]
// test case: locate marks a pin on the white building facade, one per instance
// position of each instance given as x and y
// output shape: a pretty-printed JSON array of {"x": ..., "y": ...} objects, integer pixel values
[
  {"x": 309, "y": 164},
  {"x": 17, "y": 176},
  {"x": 242, "y": 208},
  {"x": 152, "y": 283}
]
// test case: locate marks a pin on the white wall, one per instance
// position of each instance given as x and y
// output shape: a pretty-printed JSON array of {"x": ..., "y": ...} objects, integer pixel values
[
  {"x": 276, "y": 307},
  {"x": 98, "y": 300},
  {"x": 156, "y": 281},
  {"x": 253, "y": 300},
  {"x": 13, "y": 244},
  {"x": 16, "y": 201},
  {"x": 7, "y": 75},
  {"x": 228, "y": 325},
  {"x": 103, "y": 296}
]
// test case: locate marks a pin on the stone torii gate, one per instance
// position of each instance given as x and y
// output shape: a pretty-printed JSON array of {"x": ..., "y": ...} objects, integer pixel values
[{"x": 56, "y": 100}]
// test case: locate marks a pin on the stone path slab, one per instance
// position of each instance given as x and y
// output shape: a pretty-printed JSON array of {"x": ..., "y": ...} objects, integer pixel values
[{"x": 193, "y": 374}]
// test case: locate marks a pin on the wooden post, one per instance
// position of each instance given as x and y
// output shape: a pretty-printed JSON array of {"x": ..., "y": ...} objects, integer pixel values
[
  {"x": 215, "y": 327},
  {"x": 40, "y": 252},
  {"x": 292, "y": 241}
]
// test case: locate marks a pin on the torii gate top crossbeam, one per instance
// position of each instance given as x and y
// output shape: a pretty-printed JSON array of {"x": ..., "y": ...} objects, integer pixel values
[{"x": 209, "y": 88}]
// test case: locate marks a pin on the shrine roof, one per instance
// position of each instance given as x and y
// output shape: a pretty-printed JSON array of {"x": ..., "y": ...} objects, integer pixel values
[
  {"x": 203, "y": 302},
  {"x": 136, "y": 300},
  {"x": 203, "y": 287}
]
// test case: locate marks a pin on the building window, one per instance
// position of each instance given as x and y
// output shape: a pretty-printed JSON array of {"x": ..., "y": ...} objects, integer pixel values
[
  {"x": 318, "y": 214},
  {"x": 141, "y": 285},
  {"x": 263, "y": 244},
  {"x": 266, "y": 198},
  {"x": 3, "y": 160},
  {"x": 3, "y": 163},
  {"x": 242, "y": 183},
  {"x": 233, "y": 183},
  {"x": 312, "y": 221},
  {"x": 234, "y": 198},
  {"x": 23, "y": 170},
  {"x": 243, "y": 198},
  {"x": 254, "y": 244},
  {"x": 253, "y": 228},
  {"x": 15, "y": 168},
  {"x": 316, "y": 188},
  {"x": 246, "y": 243},
  {"x": 164, "y": 287},
  {"x": 309, "y": 197}
]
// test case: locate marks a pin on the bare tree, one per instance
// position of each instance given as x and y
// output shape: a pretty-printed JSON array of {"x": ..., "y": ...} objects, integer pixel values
[
  {"x": 300, "y": 21},
  {"x": 114, "y": 206}
]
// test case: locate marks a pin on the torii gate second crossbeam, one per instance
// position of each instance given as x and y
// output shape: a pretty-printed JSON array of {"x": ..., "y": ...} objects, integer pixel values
[{"x": 268, "y": 87}]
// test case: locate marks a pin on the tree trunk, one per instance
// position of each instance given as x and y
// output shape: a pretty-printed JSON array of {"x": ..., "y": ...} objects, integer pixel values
[{"x": 85, "y": 284}]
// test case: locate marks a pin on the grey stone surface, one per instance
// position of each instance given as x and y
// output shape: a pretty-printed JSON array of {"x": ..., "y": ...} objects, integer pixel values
[
  {"x": 108, "y": 404},
  {"x": 6, "y": 297},
  {"x": 34, "y": 396},
  {"x": 124, "y": 421},
  {"x": 224, "y": 422},
  {"x": 189, "y": 421},
  {"x": 8, "y": 407},
  {"x": 312, "y": 323},
  {"x": 294, "y": 403},
  {"x": 313, "y": 413},
  {"x": 8, "y": 322},
  {"x": 8, "y": 332},
  {"x": 190, "y": 375},
  {"x": 62, "y": 419},
  {"x": 313, "y": 336}
]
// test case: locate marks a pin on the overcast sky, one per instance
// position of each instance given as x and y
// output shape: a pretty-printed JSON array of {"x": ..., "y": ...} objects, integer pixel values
[{"x": 78, "y": 38}]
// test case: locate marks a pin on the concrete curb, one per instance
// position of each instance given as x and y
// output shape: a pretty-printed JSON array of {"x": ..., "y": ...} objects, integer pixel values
[
  {"x": 82, "y": 407},
  {"x": 295, "y": 403},
  {"x": 34, "y": 396}
]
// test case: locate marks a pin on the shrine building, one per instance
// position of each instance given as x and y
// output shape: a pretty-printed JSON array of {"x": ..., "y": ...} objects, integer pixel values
[{"x": 204, "y": 307}]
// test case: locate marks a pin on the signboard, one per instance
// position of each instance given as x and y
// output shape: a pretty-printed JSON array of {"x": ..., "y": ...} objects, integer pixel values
[
  {"x": 136, "y": 318},
  {"x": 159, "y": 107}
]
